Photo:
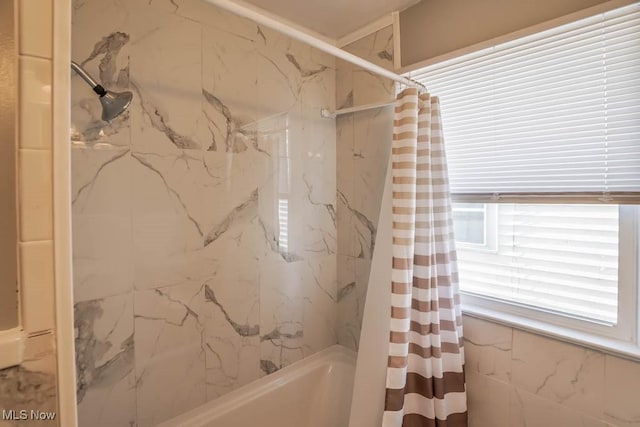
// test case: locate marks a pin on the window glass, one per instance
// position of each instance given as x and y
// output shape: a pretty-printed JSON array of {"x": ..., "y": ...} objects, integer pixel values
[
  {"x": 469, "y": 223},
  {"x": 562, "y": 258}
]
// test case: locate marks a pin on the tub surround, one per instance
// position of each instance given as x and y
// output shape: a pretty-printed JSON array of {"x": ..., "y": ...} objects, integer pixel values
[{"x": 204, "y": 218}]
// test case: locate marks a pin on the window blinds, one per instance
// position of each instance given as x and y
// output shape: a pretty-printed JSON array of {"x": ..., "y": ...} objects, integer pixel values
[
  {"x": 555, "y": 114},
  {"x": 558, "y": 258}
]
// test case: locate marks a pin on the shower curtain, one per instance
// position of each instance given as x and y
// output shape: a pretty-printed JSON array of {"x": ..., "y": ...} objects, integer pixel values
[{"x": 425, "y": 369}]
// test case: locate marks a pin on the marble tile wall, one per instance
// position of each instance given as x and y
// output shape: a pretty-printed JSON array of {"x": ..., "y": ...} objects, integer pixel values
[
  {"x": 516, "y": 378},
  {"x": 363, "y": 145},
  {"x": 33, "y": 384},
  {"x": 204, "y": 218}
]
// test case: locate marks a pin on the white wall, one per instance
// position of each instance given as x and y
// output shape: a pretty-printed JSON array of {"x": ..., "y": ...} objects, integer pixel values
[{"x": 8, "y": 221}]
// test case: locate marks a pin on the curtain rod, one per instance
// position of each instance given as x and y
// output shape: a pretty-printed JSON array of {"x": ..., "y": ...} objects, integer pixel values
[
  {"x": 274, "y": 22},
  {"x": 328, "y": 114}
]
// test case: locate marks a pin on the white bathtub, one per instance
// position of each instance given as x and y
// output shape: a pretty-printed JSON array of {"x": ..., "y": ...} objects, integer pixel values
[{"x": 314, "y": 392}]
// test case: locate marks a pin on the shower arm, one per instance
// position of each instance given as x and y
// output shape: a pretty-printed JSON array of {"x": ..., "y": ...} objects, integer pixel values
[{"x": 87, "y": 78}]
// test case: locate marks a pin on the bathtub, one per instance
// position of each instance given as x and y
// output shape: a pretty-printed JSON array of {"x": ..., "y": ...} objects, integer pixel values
[{"x": 314, "y": 392}]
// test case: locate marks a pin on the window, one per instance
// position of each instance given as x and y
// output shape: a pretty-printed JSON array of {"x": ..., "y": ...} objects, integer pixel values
[
  {"x": 475, "y": 226},
  {"x": 559, "y": 258},
  {"x": 543, "y": 145},
  {"x": 469, "y": 220}
]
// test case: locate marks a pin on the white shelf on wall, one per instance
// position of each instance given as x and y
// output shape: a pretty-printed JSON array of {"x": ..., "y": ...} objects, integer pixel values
[{"x": 11, "y": 347}]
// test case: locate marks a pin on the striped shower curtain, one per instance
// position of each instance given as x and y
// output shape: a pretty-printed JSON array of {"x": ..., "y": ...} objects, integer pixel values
[{"x": 425, "y": 375}]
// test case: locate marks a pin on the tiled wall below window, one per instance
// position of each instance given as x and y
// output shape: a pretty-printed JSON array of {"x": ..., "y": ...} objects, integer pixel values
[{"x": 516, "y": 378}]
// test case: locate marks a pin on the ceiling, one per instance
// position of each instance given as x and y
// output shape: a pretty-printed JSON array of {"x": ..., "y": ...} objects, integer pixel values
[{"x": 332, "y": 18}]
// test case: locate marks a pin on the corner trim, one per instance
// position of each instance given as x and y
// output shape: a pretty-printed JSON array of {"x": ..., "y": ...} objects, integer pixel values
[
  {"x": 65, "y": 348},
  {"x": 397, "y": 45}
]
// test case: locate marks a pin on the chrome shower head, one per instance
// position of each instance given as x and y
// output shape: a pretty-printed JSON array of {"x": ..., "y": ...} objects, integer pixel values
[{"x": 113, "y": 103}]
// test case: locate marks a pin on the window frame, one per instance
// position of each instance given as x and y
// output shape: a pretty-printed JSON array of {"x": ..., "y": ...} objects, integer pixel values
[{"x": 622, "y": 338}]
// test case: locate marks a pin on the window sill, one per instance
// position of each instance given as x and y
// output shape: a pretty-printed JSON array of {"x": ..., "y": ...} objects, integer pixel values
[{"x": 610, "y": 346}]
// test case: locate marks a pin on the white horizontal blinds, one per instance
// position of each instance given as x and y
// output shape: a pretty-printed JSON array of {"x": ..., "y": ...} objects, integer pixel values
[
  {"x": 561, "y": 258},
  {"x": 622, "y": 74},
  {"x": 554, "y": 113}
]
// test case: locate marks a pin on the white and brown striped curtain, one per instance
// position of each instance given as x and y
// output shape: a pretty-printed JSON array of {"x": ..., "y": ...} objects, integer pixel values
[{"x": 425, "y": 371}]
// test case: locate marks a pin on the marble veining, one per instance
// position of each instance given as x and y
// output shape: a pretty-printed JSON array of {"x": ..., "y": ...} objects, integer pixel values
[
  {"x": 282, "y": 346},
  {"x": 108, "y": 60},
  {"x": 108, "y": 48},
  {"x": 105, "y": 361},
  {"x": 23, "y": 389},
  {"x": 363, "y": 141},
  {"x": 565, "y": 374},
  {"x": 169, "y": 350},
  {"x": 205, "y": 219},
  {"x": 246, "y": 208},
  {"x": 346, "y": 290},
  {"x": 92, "y": 371},
  {"x": 147, "y": 164},
  {"x": 303, "y": 71},
  {"x": 159, "y": 122},
  {"x": 488, "y": 349},
  {"x": 92, "y": 181},
  {"x": 366, "y": 230},
  {"x": 326, "y": 243},
  {"x": 245, "y": 330},
  {"x": 515, "y": 378},
  {"x": 234, "y": 134}
]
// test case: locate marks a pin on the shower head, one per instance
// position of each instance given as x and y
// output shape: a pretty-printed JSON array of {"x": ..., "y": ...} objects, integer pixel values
[{"x": 113, "y": 103}]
